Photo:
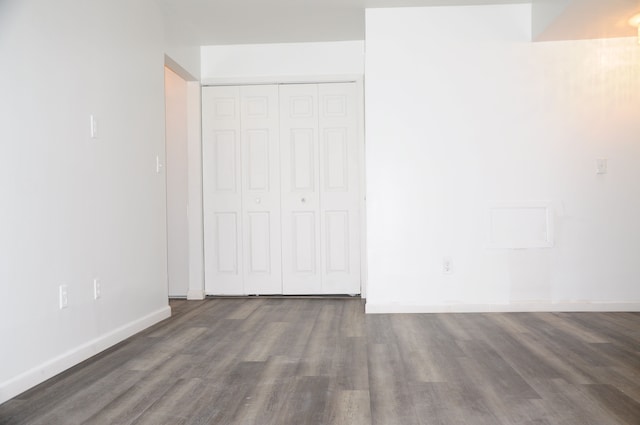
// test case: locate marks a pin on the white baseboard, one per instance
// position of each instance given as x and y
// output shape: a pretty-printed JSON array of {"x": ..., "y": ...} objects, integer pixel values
[
  {"x": 195, "y": 294},
  {"x": 50, "y": 368},
  {"x": 502, "y": 308}
]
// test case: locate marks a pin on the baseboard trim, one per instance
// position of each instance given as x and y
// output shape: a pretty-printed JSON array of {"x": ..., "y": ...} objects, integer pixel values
[
  {"x": 371, "y": 308},
  {"x": 51, "y": 368}
]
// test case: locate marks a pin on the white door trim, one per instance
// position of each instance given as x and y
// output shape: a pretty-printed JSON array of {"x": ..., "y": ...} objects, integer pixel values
[
  {"x": 195, "y": 224},
  {"x": 292, "y": 79},
  {"x": 363, "y": 188}
]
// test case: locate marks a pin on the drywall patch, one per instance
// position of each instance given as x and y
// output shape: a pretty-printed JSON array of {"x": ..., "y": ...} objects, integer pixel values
[{"x": 520, "y": 225}]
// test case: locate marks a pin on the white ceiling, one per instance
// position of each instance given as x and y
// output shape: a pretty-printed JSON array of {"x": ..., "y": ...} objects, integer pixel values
[{"x": 210, "y": 22}]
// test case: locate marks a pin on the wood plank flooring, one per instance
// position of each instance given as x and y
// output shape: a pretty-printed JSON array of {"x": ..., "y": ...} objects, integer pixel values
[{"x": 280, "y": 361}]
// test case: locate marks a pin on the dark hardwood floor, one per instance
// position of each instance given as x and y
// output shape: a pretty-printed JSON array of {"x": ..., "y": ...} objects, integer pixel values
[{"x": 322, "y": 361}]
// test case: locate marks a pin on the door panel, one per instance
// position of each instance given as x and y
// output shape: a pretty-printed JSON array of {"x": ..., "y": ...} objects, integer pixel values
[
  {"x": 339, "y": 176},
  {"x": 304, "y": 241},
  {"x": 261, "y": 189},
  {"x": 222, "y": 199},
  {"x": 336, "y": 159},
  {"x": 225, "y": 236},
  {"x": 259, "y": 240},
  {"x": 300, "y": 198},
  {"x": 302, "y": 148},
  {"x": 225, "y": 156},
  {"x": 281, "y": 189},
  {"x": 258, "y": 145},
  {"x": 337, "y": 245}
]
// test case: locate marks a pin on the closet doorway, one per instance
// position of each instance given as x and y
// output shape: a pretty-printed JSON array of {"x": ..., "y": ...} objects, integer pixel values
[{"x": 281, "y": 189}]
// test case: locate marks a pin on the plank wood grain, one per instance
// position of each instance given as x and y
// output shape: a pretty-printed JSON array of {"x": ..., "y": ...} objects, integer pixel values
[{"x": 296, "y": 361}]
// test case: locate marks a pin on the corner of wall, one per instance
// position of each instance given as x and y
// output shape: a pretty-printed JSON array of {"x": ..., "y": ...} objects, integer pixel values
[
  {"x": 183, "y": 61},
  {"x": 544, "y": 13}
]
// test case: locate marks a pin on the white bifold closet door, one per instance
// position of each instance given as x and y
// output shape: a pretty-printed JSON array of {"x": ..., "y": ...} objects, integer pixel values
[
  {"x": 319, "y": 158},
  {"x": 261, "y": 190},
  {"x": 222, "y": 191},
  {"x": 281, "y": 192},
  {"x": 339, "y": 188},
  {"x": 241, "y": 190}
]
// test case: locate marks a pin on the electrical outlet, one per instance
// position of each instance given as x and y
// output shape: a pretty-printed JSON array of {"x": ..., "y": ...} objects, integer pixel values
[
  {"x": 97, "y": 290},
  {"x": 63, "y": 296},
  {"x": 447, "y": 266}
]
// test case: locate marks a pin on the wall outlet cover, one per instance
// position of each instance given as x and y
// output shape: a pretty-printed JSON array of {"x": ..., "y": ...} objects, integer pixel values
[{"x": 63, "y": 292}]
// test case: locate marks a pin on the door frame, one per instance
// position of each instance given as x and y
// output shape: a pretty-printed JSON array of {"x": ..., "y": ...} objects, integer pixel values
[
  {"x": 315, "y": 79},
  {"x": 195, "y": 220}
]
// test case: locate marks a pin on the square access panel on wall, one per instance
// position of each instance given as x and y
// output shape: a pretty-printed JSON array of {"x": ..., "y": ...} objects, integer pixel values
[{"x": 520, "y": 225}]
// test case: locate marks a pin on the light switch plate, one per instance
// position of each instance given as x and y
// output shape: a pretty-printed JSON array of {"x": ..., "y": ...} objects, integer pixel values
[
  {"x": 97, "y": 289},
  {"x": 64, "y": 296},
  {"x": 94, "y": 127}
]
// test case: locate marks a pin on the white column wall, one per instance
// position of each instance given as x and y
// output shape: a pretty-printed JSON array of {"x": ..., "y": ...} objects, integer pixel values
[
  {"x": 177, "y": 183},
  {"x": 195, "y": 218},
  {"x": 462, "y": 111}
]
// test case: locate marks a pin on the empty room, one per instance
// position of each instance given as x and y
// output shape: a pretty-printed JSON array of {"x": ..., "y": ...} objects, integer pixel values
[{"x": 341, "y": 212}]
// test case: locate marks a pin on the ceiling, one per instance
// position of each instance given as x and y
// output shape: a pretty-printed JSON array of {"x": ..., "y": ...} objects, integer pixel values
[
  {"x": 208, "y": 22},
  {"x": 215, "y": 22}
]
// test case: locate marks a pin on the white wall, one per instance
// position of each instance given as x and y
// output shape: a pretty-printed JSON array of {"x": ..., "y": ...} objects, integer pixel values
[
  {"x": 179, "y": 46},
  {"x": 75, "y": 208},
  {"x": 463, "y": 111},
  {"x": 194, "y": 197},
  {"x": 177, "y": 184},
  {"x": 278, "y": 63}
]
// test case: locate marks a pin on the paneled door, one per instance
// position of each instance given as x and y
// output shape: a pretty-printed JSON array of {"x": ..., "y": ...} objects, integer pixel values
[
  {"x": 222, "y": 190},
  {"x": 241, "y": 175},
  {"x": 339, "y": 188},
  {"x": 300, "y": 182},
  {"x": 261, "y": 189},
  {"x": 320, "y": 190},
  {"x": 281, "y": 189}
]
